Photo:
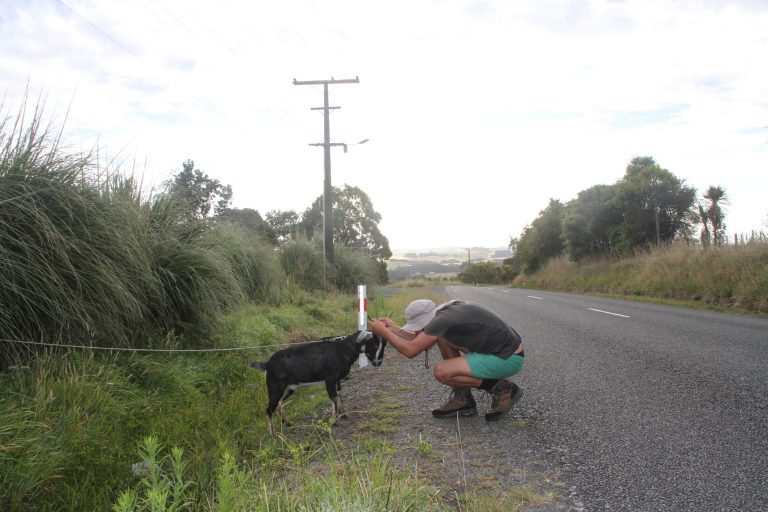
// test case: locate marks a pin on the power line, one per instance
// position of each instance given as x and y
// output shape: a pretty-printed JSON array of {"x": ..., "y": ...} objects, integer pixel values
[
  {"x": 280, "y": 114},
  {"x": 99, "y": 30}
]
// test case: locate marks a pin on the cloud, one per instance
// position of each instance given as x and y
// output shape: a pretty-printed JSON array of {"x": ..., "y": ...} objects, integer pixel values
[{"x": 478, "y": 111}]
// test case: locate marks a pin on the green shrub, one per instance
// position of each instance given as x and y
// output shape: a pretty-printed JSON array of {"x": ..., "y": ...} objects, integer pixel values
[
  {"x": 353, "y": 268},
  {"x": 253, "y": 260},
  {"x": 304, "y": 264},
  {"x": 86, "y": 258},
  {"x": 57, "y": 282}
]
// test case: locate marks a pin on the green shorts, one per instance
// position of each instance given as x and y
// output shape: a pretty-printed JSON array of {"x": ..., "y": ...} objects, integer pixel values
[{"x": 487, "y": 366}]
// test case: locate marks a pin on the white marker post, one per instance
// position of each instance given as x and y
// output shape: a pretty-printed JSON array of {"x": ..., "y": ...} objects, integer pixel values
[{"x": 362, "y": 319}]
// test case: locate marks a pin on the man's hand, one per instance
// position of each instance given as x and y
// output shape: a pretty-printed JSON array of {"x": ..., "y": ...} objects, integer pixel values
[
  {"x": 378, "y": 326},
  {"x": 388, "y": 322}
]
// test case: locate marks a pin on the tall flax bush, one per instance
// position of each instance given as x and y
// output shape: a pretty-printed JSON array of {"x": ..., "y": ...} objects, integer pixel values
[
  {"x": 84, "y": 259},
  {"x": 304, "y": 264},
  {"x": 197, "y": 282},
  {"x": 253, "y": 260},
  {"x": 58, "y": 279},
  {"x": 353, "y": 268}
]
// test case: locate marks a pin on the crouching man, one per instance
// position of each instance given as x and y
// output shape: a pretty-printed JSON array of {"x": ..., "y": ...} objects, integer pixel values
[{"x": 479, "y": 351}]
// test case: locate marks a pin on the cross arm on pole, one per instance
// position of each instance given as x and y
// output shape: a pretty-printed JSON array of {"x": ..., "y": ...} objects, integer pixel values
[{"x": 355, "y": 80}]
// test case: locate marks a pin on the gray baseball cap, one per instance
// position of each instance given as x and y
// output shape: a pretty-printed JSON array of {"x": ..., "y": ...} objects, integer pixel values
[{"x": 418, "y": 314}]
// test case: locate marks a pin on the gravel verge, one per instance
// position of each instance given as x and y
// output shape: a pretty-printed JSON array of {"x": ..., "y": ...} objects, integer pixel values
[{"x": 391, "y": 404}]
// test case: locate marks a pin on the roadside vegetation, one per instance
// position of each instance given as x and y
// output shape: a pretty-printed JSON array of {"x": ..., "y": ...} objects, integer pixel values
[
  {"x": 645, "y": 236},
  {"x": 89, "y": 259},
  {"x": 105, "y": 288},
  {"x": 161, "y": 432},
  {"x": 729, "y": 278}
]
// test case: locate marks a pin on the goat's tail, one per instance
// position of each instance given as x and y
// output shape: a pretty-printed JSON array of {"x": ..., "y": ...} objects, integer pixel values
[{"x": 259, "y": 365}]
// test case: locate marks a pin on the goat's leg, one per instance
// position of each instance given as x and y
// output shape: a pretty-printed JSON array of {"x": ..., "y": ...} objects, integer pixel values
[
  {"x": 277, "y": 392},
  {"x": 288, "y": 392},
  {"x": 270, "y": 424},
  {"x": 333, "y": 387},
  {"x": 339, "y": 409}
]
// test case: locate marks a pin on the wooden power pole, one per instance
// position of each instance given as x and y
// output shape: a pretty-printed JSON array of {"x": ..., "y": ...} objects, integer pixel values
[{"x": 327, "y": 189}]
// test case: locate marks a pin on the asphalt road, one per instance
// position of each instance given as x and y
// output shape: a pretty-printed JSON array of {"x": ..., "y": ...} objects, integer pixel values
[{"x": 643, "y": 407}]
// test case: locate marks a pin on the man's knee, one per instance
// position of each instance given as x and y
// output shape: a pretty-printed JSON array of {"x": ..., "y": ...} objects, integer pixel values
[{"x": 440, "y": 372}]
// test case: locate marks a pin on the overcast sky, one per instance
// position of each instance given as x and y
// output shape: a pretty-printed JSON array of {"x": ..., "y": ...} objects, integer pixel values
[{"x": 477, "y": 112}]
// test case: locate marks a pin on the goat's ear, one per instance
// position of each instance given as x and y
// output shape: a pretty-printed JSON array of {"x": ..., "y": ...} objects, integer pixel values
[{"x": 362, "y": 337}]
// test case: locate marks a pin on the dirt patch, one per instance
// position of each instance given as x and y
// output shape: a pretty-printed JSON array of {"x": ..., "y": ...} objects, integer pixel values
[{"x": 389, "y": 407}]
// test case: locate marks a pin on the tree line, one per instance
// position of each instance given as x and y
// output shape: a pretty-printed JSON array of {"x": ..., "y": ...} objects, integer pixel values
[
  {"x": 649, "y": 206},
  {"x": 355, "y": 221}
]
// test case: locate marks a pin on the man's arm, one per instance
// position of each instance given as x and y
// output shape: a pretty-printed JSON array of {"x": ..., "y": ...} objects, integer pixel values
[{"x": 407, "y": 343}]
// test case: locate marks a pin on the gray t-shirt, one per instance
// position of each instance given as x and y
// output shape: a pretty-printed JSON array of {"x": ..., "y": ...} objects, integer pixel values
[{"x": 475, "y": 328}]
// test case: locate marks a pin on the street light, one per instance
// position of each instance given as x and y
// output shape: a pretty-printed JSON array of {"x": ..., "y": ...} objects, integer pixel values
[
  {"x": 355, "y": 144},
  {"x": 343, "y": 144}
]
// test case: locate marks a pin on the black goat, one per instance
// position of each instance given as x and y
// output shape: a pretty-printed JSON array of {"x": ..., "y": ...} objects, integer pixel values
[{"x": 328, "y": 360}]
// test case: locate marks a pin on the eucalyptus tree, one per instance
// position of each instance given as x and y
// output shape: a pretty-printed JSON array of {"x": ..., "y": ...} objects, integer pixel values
[
  {"x": 356, "y": 223},
  {"x": 655, "y": 205},
  {"x": 283, "y": 223},
  {"x": 591, "y": 223},
  {"x": 542, "y": 239},
  {"x": 200, "y": 194}
]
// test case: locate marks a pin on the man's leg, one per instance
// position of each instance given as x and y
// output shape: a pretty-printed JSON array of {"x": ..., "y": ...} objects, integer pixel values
[
  {"x": 453, "y": 371},
  {"x": 504, "y": 394}
]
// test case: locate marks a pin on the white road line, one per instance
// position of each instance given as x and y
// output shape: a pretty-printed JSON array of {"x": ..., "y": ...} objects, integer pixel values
[
  {"x": 608, "y": 313},
  {"x": 534, "y": 297}
]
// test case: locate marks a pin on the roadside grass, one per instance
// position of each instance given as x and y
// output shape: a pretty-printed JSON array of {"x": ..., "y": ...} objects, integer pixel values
[
  {"x": 397, "y": 303},
  {"x": 510, "y": 500},
  {"x": 731, "y": 278},
  {"x": 83, "y": 431},
  {"x": 428, "y": 282}
]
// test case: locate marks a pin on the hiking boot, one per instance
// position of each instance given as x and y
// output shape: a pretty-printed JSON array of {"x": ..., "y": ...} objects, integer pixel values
[
  {"x": 503, "y": 396},
  {"x": 461, "y": 401}
]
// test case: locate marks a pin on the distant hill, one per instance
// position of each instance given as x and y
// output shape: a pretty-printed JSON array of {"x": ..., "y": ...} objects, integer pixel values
[
  {"x": 409, "y": 263},
  {"x": 460, "y": 253}
]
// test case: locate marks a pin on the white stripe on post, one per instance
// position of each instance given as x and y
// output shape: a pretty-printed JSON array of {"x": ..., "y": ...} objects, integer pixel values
[{"x": 362, "y": 308}]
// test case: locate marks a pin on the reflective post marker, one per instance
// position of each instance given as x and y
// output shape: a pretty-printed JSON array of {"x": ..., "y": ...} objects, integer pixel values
[{"x": 362, "y": 320}]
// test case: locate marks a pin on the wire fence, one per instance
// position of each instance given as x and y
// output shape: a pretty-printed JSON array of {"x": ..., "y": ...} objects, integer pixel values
[{"x": 155, "y": 350}]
